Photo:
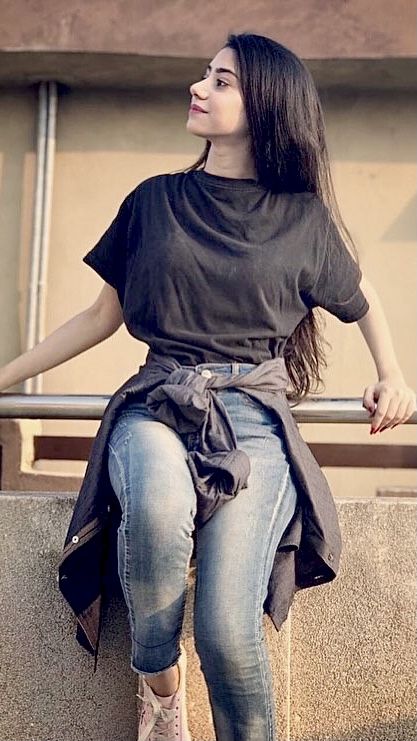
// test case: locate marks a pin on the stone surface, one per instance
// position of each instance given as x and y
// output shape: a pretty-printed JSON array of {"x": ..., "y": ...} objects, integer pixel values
[
  {"x": 352, "y": 643},
  {"x": 47, "y": 686}
]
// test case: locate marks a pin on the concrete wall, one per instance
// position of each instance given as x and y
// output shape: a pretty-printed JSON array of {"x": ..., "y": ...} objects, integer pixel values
[
  {"x": 17, "y": 163},
  {"x": 110, "y": 140},
  {"x": 343, "y": 663},
  {"x": 186, "y": 28}
]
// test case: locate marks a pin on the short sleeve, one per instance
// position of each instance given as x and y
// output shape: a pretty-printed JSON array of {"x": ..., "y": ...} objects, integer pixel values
[
  {"x": 108, "y": 257},
  {"x": 336, "y": 284}
]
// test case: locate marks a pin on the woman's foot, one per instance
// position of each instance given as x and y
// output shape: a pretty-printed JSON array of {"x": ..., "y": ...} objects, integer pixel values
[{"x": 157, "y": 722}]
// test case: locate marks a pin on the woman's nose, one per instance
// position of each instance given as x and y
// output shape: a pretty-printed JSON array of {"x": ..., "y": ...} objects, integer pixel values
[{"x": 197, "y": 89}]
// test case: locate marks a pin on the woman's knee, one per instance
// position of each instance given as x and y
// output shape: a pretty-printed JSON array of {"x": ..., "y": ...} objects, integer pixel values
[
  {"x": 222, "y": 635},
  {"x": 226, "y": 653}
]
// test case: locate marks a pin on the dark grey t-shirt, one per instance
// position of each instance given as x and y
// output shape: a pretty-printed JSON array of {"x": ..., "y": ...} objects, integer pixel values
[{"x": 210, "y": 268}]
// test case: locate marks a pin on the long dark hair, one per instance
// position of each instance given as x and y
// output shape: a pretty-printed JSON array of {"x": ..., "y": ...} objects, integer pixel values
[{"x": 287, "y": 134}]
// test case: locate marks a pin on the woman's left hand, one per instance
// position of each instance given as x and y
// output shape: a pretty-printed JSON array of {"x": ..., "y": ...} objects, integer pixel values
[{"x": 390, "y": 403}]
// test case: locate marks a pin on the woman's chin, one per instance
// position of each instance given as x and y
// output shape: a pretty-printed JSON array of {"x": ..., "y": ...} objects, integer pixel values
[{"x": 192, "y": 128}]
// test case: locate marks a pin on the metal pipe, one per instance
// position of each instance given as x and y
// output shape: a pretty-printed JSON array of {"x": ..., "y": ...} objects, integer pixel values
[
  {"x": 45, "y": 156},
  {"x": 31, "y": 309},
  {"x": 87, "y": 406},
  {"x": 46, "y": 221}
]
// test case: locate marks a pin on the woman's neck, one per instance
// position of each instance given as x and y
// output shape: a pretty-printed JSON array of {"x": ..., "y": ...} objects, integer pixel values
[{"x": 228, "y": 164}]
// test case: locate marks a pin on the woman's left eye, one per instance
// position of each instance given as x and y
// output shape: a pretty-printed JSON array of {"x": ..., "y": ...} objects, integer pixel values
[{"x": 203, "y": 77}]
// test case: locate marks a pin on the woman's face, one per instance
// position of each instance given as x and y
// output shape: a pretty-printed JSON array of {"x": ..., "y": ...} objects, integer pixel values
[{"x": 219, "y": 94}]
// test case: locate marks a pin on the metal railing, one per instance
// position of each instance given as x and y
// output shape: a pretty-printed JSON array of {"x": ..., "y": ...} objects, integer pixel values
[
  {"x": 90, "y": 406},
  {"x": 311, "y": 410}
]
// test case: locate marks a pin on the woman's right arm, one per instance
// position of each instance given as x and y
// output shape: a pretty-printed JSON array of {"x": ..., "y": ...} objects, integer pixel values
[{"x": 84, "y": 330}]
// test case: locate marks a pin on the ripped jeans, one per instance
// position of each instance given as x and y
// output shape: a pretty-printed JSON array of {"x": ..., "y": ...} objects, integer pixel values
[{"x": 235, "y": 550}]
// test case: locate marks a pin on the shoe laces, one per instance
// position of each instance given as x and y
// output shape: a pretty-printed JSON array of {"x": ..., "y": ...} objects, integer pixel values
[{"x": 164, "y": 723}]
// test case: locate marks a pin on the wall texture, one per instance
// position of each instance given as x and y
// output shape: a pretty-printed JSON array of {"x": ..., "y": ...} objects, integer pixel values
[
  {"x": 342, "y": 665},
  {"x": 321, "y": 29}
]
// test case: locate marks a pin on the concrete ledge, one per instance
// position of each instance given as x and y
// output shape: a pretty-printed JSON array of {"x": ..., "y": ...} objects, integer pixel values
[
  {"x": 350, "y": 645},
  {"x": 140, "y": 72},
  {"x": 353, "y": 642}
]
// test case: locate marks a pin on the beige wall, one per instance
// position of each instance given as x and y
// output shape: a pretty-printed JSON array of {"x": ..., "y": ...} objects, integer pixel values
[
  {"x": 17, "y": 132},
  {"x": 108, "y": 141}
]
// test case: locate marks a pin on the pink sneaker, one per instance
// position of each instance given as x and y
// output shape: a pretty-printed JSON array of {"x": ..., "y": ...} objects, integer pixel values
[{"x": 157, "y": 723}]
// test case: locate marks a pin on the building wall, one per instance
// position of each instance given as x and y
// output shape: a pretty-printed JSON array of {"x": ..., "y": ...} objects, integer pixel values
[
  {"x": 188, "y": 28},
  {"x": 110, "y": 140},
  {"x": 17, "y": 162}
]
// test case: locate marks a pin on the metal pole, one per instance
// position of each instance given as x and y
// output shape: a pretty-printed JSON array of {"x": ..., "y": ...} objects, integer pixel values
[
  {"x": 46, "y": 221},
  {"x": 45, "y": 158},
  {"x": 87, "y": 406},
  {"x": 31, "y": 311}
]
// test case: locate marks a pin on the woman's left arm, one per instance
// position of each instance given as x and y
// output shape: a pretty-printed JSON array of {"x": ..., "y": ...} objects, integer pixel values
[{"x": 390, "y": 401}]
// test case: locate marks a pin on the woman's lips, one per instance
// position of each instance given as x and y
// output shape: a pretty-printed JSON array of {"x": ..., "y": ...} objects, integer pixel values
[{"x": 192, "y": 109}]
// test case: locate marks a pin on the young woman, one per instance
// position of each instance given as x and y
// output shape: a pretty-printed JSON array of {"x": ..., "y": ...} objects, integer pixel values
[{"x": 219, "y": 268}]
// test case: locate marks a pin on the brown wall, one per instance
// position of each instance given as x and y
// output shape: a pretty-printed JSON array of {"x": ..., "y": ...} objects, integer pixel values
[{"x": 314, "y": 29}]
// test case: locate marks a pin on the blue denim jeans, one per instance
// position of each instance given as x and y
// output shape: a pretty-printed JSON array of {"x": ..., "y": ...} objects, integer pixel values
[{"x": 234, "y": 555}]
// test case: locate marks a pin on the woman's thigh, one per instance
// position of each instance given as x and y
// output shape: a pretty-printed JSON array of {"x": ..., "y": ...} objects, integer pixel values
[
  {"x": 150, "y": 476},
  {"x": 236, "y": 547},
  {"x": 148, "y": 470}
]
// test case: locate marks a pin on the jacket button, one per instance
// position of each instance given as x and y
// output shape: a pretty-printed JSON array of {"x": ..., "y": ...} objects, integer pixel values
[
  {"x": 330, "y": 556},
  {"x": 75, "y": 538}
]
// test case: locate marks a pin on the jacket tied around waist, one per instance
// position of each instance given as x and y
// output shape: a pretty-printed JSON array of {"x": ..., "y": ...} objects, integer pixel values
[{"x": 183, "y": 399}]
